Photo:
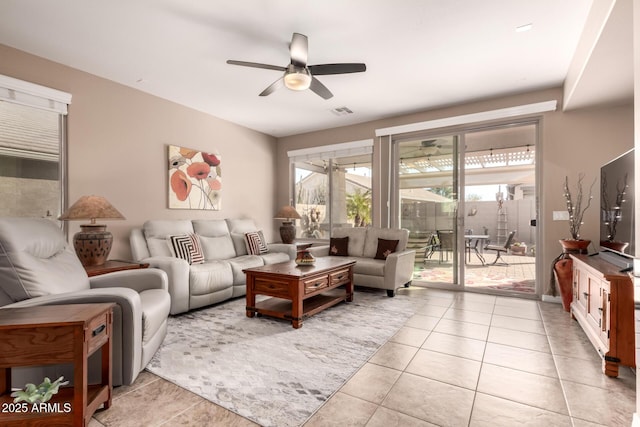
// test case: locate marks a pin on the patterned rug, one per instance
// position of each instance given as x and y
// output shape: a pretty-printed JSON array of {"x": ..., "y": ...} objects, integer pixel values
[{"x": 262, "y": 368}]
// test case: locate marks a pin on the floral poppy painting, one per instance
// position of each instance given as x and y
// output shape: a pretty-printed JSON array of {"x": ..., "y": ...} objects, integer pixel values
[{"x": 195, "y": 179}]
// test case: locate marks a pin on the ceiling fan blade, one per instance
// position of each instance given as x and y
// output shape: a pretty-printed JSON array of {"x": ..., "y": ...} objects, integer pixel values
[
  {"x": 299, "y": 49},
  {"x": 256, "y": 65},
  {"x": 325, "y": 69},
  {"x": 320, "y": 89},
  {"x": 273, "y": 87}
]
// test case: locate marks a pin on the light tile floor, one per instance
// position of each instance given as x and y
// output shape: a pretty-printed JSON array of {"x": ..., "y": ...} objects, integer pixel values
[{"x": 464, "y": 360}]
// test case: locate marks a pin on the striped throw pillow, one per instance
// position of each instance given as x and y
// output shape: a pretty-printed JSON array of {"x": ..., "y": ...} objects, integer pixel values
[
  {"x": 187, "y": 247},
  {"x": 255, "y": 243}
]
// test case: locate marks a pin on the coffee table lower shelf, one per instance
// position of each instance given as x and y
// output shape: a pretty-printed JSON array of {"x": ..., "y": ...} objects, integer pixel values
[{"x": 282, "y": 308}]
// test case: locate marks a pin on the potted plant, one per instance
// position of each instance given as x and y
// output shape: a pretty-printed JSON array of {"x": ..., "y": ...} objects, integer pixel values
[
  {"x": 518, "y": 248},
  {"x": 563, "y": 264}
]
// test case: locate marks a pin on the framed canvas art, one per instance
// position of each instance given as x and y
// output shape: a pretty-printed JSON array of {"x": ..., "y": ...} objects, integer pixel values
[{"x": 195, "y": 179}]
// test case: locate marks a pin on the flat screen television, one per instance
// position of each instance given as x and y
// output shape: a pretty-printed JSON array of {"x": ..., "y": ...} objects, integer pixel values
[{"x": 617, "y": 216}]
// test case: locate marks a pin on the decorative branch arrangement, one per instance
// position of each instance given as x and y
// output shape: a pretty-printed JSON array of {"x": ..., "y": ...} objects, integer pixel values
[
  {"x": 575, "y": 207},
  {"x": 612, "y": 214}
]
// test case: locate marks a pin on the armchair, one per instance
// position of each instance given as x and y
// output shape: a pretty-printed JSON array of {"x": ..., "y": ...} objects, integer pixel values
[{"x": 38, "y": 267}]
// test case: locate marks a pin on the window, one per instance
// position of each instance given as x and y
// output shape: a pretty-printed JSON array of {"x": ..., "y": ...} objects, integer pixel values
[
  {"x": 31, "y": 149},
  {"x": 332, "y": 188}
]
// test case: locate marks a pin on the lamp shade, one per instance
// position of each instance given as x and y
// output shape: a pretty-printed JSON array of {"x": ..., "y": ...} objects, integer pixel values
[
  {"x": 93, "y": 243},
  {"x": 91, "y": 207},
  {"x": 288, "y": 213}
]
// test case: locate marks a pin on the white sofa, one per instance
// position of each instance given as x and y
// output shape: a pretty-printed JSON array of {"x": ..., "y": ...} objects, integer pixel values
[
  {"x": 220, "y": 277},
  {"x": 391, "y": 273}
]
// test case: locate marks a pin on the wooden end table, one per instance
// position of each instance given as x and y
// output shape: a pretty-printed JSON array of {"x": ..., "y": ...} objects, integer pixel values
[
  {"x": 113, "y": 265},
  {"x": 299, "y": 291},
  {"x": 46, "y": 335}
]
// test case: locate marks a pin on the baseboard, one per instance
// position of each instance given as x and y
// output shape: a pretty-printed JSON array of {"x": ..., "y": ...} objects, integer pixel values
[
  {"x": 636, "y": 420},
  {"x": 557, "y": 300}
]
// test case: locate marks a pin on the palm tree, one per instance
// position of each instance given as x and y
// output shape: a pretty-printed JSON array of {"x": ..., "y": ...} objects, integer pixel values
[{"x": 359, "y": 207}]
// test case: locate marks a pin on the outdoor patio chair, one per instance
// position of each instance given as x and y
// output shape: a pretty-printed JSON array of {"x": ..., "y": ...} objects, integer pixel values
[
  {"x": 501, "y": 248},
  {"x": 445, "y": 243}
]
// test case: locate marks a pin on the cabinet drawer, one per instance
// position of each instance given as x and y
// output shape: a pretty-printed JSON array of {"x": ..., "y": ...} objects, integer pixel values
[
  {"x": 274, "y": 288},
  {"x": 312, "y": 285},
  {"x": 339, "y": 277},
  {"x": 97, "y": 332}
]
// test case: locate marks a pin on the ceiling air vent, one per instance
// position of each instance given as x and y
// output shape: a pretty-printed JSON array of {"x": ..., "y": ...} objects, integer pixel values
[{"x": 341, "y": 111}]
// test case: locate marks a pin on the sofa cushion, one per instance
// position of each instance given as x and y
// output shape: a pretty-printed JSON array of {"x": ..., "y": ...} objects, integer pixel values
[
  {"x": 339, "y": 246},
  {"x": 375, "y": 233},
  {"x": 37, "y": 260},
  {"x": 254, "y": 242},
  {"x": 385, "y": 248},
  {"x": 240, "y": 263},
  {"x": 186, "y": 247},
  {"x": 369, "y": 267},
  {"x": 356, "y": 239},
  {"x": 237, "y": 228},
  {"x": 156, "y": 232},
  {"x": 210, "y": 277},
  {"x": 215, "y": 239},
  {"x": 217, "y": 248}
]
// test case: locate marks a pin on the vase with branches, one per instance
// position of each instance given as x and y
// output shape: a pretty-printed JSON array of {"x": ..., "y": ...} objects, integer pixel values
[
  {"x": 562, "y": 267},
  {"x": 577, "y": 204}
]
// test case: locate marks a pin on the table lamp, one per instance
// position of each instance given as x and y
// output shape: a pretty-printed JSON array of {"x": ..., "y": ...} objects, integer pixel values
[
  {"x": 93, "y": 242},
  {"x": 287, "y": 230}
]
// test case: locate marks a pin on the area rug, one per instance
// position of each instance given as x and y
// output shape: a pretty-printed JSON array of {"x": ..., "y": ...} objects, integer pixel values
[{"x": 262, "y": 368}]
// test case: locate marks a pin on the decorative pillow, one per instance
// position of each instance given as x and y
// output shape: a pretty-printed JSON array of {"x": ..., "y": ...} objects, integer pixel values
[
  {"x": 186, "y": 247},
  {"x": 255, "y": 243},
  {"x": 385, "y": 247},
  {"x": 338, "y": 246}
]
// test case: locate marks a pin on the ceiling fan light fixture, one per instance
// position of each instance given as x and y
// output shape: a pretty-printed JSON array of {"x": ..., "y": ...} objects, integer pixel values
[{"x": 299, "y": 79}]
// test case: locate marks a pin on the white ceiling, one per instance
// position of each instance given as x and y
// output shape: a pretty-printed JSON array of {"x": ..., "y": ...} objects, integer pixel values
[{"x": 420, "y": 54}]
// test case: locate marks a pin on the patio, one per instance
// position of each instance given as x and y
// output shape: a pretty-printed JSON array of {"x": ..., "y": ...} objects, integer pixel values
[{"x": 518, "y": 276}]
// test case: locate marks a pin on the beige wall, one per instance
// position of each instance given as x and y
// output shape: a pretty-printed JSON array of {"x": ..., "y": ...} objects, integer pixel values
[
  {"x": 118, "y": 138},
  {"x": 571, "y": 142},
  {"x": 117, "y": 145}
]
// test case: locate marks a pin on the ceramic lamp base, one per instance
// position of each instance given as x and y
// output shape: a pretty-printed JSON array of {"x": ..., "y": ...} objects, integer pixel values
[
  {"x": 287, "y": 232},
  {"x": 93, "y": 244}
]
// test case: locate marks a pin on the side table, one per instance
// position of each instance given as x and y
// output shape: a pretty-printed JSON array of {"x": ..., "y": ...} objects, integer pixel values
[
  {"x": 46, "y": 335},
  {"x": 113, "y": 265}
]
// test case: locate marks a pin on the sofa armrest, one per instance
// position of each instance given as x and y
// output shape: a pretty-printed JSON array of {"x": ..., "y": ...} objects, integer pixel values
[
  {"x": 138, "y": 280},
  {"x": 287, "y": 248},
  {"x": 177, "y": 271},
  {"x": 399, "y": 269},
  {"x": 127, "y": 324},
  {"x": 319, "y": 251}
]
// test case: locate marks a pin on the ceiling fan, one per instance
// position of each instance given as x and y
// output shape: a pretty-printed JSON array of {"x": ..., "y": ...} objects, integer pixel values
[{"x": 300, "y": 76}]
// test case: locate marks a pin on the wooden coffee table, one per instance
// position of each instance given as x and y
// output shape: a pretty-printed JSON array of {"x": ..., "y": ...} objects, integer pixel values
[{"x": 299, "y": 291}]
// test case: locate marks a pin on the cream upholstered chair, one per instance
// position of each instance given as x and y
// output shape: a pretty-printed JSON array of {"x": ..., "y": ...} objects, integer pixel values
[{"x": 38, "y": 267}]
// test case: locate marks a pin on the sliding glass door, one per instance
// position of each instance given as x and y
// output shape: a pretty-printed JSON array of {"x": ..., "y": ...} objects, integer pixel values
[
  {"x": 427, "y": 204},
  {"x": 469, "y": 202}
]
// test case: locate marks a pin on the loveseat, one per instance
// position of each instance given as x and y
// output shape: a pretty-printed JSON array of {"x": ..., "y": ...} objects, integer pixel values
[
  {"x": 39, "y": 267},
  {"x": 382, "y": 260},
  {"x": 209, "y": 268}
]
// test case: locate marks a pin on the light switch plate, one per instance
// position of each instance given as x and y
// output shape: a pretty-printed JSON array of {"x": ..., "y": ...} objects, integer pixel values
[{"x": 560, "y": 215}]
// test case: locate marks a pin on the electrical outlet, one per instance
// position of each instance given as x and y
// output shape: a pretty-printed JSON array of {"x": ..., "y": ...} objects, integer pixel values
[{"x": 560, "y": 215}]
